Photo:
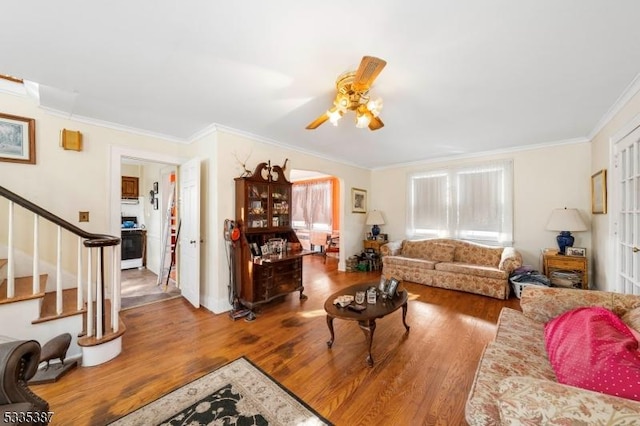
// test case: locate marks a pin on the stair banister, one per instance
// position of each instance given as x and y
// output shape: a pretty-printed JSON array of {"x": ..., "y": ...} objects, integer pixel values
[{"x": 86, "y": 239}]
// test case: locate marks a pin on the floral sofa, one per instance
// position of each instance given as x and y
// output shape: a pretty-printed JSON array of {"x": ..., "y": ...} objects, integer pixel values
[
  {"x": 452, "y": 264},
  {"x": 515, "y": 382}
]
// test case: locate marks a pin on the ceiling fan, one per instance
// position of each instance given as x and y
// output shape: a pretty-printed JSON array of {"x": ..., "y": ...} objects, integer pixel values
[{"x": 353, "y": 95}]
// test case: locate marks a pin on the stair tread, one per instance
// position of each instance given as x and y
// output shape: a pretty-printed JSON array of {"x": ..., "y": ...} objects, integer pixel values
[
  {"x": 69, "y": 306},
  {"x": 108, "y": 334},
  {"x": 23, "y": 289}
]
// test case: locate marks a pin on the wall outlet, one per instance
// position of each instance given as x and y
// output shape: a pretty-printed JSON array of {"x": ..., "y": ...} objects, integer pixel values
[{"x": 83, "y": 216}]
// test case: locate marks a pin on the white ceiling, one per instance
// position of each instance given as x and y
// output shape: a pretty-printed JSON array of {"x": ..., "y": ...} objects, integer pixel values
[{"x": 463, "y": 76}]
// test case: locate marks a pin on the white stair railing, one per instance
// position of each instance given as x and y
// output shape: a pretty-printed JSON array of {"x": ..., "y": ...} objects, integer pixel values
[{"x": 95, "y": 284}]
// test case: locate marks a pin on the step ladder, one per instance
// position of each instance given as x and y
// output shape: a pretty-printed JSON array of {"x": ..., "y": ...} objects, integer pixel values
[{"x": 168, "y": 246}]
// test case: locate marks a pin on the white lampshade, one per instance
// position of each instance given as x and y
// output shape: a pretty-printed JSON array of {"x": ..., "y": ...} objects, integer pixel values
[
  {"x": 375, "y": 218},
  {"x": 566, "y": 220}
]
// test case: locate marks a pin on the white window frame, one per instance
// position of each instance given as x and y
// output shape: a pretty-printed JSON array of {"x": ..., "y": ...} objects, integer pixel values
[{"x": 444, "y": 221}]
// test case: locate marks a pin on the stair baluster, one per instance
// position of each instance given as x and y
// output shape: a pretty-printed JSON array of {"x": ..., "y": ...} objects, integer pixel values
[
  {"x": 11, "y": 280},
  {"x": 35, "y": 282}
]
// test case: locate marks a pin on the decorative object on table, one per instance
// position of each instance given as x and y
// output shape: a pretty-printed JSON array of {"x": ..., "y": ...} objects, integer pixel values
[
  {"x": 358, "y": 200},
  {"x": 360, "y": 297},
  {"x": 383, "y": 284},
  {"x": 344, "y": 300},
  {"x": 392, "y": 288},
  {"x": 54, "y": 349},
  {"x": 17, "y": 139},
  {"x": 236, "y": 393},
  {"x": 375, "y": 218},
  {"x": 372, "y": 295},
  {"x": 71, "y": 140},
  {"x": 599, "y": 192},
  {"x": 565, "y": 221},
  {"x": 353, "y": 95},
  {"x": 576, "y": 251},
  {"x": 382, "y": 238}
]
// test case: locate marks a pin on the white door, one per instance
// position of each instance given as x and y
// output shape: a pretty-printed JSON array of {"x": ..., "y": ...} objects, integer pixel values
[
  {"x": 627, "y": 210},
  {"x": 189, "y": 239}
]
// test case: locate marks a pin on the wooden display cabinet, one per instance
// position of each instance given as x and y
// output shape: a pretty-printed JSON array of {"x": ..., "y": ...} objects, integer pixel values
[{"x": 263, "y": 215}]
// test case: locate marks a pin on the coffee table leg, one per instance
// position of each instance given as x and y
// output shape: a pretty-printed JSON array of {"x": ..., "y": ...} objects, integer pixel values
[
  {"x": 404, "y": 316},
  {"x": 368, "y": 327},
  {"x": 330, "y": 325}
]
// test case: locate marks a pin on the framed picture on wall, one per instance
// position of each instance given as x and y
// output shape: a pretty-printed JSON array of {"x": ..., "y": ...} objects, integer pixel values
[
  {"x": 358, "y": 200},
  {"x": 17, "y": 139},
  {"x": 599, "y": 192}
]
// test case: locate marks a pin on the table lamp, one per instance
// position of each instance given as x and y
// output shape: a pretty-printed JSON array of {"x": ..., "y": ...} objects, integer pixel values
[
  {"x": 566, "y": 221},
  {"x": 375, "y": 218}
]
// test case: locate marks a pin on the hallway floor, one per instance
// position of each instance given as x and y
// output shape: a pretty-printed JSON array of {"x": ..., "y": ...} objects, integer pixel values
[{"x": 138, "y": 287}]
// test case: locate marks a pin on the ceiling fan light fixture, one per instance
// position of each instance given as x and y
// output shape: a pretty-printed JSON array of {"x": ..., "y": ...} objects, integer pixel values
[
  {"x": 363, "y": 119},
  {"x": 334, "y": 116},
  {"x": 375, "y": 106},
  {"x": 352, "y": 89},
  {"x": 341, "y": 103}
]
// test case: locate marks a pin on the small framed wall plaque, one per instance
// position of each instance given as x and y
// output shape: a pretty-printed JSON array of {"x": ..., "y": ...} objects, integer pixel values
[{"x": 71, "y": 140}]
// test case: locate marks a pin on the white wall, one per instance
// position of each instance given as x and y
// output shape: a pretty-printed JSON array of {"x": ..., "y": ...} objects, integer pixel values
[{"x": 544, "y": 178}]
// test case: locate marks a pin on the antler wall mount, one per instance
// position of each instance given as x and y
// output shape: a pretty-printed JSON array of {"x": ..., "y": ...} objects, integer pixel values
[{"x": 353, "y": 95}]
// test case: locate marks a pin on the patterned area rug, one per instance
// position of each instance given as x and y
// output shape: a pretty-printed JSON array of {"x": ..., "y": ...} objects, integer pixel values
[{"x": 238, "y": 393}]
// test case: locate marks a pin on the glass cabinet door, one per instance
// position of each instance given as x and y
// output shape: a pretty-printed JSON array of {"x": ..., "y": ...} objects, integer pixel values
[
  {"x": 257, "y": 205},
  {"x": 280, "y": 206}
]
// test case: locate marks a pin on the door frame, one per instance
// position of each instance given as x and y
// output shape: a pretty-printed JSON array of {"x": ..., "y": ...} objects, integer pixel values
[
  {"x": 614, "y": 211},
  {"x": 116, "y": 155}
]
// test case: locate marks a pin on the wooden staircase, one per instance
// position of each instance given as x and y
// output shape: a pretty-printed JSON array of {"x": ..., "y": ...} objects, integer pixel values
[
  {"x": 46, "y": 307},
  {"x": 48, "y": 311}
]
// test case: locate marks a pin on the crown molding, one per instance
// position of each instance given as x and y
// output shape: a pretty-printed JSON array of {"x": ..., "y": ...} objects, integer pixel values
[
  {"x": 496, "y": 152},
  {"x": 111, "y": 125},
  {"x": 273, "y": 142},
  {"x": 13, "y": 88},
  {"x": 631, "y": 90}
]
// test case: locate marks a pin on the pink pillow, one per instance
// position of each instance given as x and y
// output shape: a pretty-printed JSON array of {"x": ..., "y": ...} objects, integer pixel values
[{"x": 591, "y": 348}]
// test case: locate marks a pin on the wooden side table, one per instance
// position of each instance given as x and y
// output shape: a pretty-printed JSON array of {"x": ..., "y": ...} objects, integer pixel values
[
  {"x": 373, "y": 260},
  {"x": 552, "y": 261},
  {"x": 373, "y": 244}
]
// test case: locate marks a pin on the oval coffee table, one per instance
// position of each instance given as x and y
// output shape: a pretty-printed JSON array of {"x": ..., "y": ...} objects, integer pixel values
[{"x": 367, "y": 318}]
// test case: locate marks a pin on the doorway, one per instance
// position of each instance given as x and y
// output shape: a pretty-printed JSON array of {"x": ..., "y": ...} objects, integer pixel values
[
  {"x": 316, "y": 211},
  {"x": 149, "y": 282},
  {"x": 148, "y": 254}
]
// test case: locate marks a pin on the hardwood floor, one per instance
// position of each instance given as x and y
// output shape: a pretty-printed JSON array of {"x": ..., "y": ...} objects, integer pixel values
[
  {"x": 139, "y": 287},
  {"x": 420, "y": 377}
]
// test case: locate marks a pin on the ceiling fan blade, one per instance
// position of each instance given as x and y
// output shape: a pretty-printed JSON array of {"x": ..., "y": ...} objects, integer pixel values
[
  {"x": 376, "y": 123},
  {"x": 318, "y": 121},
  {"x": 367, "y": 72}
]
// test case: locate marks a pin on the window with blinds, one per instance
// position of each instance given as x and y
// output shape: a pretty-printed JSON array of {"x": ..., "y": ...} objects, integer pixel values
[{"x": 470, "y": 202}]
